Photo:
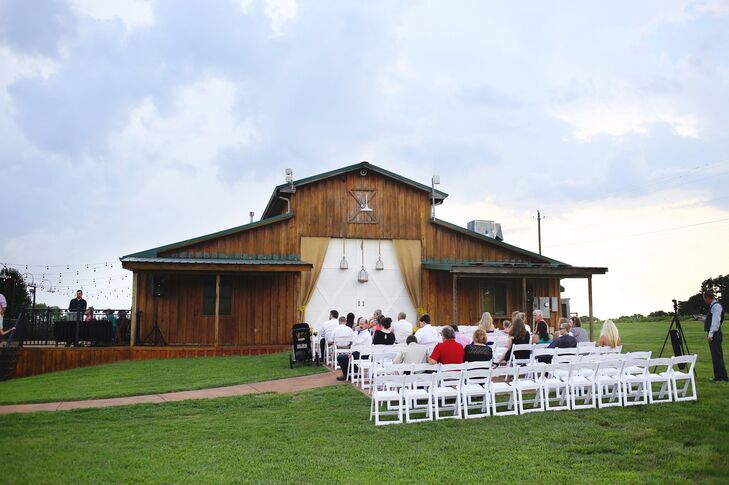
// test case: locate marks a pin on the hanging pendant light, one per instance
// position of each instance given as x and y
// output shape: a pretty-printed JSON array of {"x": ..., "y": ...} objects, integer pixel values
[
  {"x": 343, "y": 263},
  {"x": 379, "y": 265},
  {"x": 363, "y": 276}
]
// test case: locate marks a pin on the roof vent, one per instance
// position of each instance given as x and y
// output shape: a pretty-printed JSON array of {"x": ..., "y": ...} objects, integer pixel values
[{"x": 487, "y": 228}]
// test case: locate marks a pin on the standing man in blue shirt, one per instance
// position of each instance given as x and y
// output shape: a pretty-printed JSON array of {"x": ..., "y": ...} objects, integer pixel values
[{"x": 712, "y": 326}]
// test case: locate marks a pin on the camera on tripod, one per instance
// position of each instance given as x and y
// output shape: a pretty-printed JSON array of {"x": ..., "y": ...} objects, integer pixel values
[{"x": 678, "y": 339}]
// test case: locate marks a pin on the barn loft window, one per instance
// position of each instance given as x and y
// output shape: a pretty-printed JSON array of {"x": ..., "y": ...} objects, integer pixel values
[
  {"x": 226, "y": 296},
  {"x": 493, "y": 298}
]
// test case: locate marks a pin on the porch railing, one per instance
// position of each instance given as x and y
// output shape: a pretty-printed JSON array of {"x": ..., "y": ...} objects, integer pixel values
[{"x": 50, "y": 326}]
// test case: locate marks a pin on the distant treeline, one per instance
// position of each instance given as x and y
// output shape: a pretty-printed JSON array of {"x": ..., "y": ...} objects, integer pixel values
[{"x": 695, "y": 305}]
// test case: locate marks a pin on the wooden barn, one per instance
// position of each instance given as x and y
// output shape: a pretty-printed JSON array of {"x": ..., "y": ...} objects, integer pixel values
[{"x": 355, "y": 239}]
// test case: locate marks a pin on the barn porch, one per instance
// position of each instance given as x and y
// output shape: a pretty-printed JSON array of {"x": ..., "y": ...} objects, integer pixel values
[
  {"x": 214, "y": 302},
  {"x": 503, "y": 287}
]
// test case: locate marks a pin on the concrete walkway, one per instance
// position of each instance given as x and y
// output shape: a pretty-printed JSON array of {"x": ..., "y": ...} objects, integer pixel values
[{"x": 293, "y": 384}]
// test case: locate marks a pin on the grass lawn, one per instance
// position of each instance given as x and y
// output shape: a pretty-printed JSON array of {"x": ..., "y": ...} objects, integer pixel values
[
  {"x": 149, "y": 377},
  {"x": 324, "y": 436}
]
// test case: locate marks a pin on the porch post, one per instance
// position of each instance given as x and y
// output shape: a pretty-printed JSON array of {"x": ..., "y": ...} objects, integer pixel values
[
  {"x": 217, "y": 309},
  {"x": 524, "y": 298},
  {"x": 135, "y": 307},
  {"x": 589, "y": 303},
  {"x": 455, "y": 299}
]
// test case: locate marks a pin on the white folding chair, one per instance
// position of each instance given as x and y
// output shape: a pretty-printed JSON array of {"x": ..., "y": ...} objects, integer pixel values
[
  {"x": 503, "y": 382},
  {"x": 530, "y": 378},
  {"x": 356, "y": 363},
  {"x": 559, "y": 385},
  {"x": 609, "y": 350},
  {"x": 475, "y": 385},
  {"x": 543, "y": 352},
  {"x": 585, "y": 344},
  {"x": 447, "y": 386},
  {"x": 451, "y": 367},
  {"x": 635, "y": 382},
  {"x": 378, "y": 360},
  {"x": 416, "y": 389},
  {"x": 582, "y": 384},
  {"x": 686, "y": 375},
  {"x": 565, "y": 351},
  {"x": 480, "y": 364},
  {"x": 387, "y": 389},
  {"x": 341, "y": 346},
  {"x": 540, "y": 346},
  {"x": 521, "y": 348},
  {"x": 660, "y": 374},
  {"x": 609, "y": 386}
]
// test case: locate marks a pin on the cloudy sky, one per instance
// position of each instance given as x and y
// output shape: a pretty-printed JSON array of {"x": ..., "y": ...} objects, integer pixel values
[{"x": 129, "y": 124}]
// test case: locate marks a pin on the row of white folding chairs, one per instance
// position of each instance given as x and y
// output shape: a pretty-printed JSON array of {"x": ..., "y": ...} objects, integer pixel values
[{"x": 474, "y": 392}]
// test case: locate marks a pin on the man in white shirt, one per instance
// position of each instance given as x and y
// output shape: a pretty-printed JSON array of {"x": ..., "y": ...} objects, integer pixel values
[
  {"x": 426, "y": 334},
  {"x": 402, "y": 328},
  {"x": 3, "y": 307},
  {"x": 362, "y": 335},
  {"x": 712, "y": 327},
  {"x": 339, "y": 335},
  {"x": 324, "y": 329}
]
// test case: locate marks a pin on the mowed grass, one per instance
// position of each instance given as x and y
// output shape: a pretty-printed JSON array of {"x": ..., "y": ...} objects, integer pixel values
[
  {"x": 324, "y": 436},
  {"x": 149, "y": 377}
]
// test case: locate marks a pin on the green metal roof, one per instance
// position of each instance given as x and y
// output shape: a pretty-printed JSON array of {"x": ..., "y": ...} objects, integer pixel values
[
  {"x": 496, "y": 242},
  {"x": 153, "y": 253},
  {"x": 439, "y": 195}
]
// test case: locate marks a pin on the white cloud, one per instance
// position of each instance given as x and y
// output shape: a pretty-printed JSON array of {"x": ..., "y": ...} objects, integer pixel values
[
  {"x": 200, "y": 125},
  {"x": 645, "y": 271},
  {"x": 15, "y": 66},
  {"x": 133, "y": 13},
  {"x": 280, "y": 12},
  {"x": 590, "y": 118}
]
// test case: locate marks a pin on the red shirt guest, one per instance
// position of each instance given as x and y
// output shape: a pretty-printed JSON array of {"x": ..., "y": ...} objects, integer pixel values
[{"x": 448, "y": 351}]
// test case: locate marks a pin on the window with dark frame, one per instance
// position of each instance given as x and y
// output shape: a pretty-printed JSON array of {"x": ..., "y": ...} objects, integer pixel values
[
  {"x": 493, "y": 298},
  {"x": 226, "y": 297}
]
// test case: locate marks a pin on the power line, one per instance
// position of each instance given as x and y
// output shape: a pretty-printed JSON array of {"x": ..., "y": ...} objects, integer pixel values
[{"x": 641, "y": 233}]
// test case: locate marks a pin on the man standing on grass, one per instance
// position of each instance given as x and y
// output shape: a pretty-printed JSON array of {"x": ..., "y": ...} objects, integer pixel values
[
  {"x": 3, "y": 307},
  {"x": 712, "y": 326}
]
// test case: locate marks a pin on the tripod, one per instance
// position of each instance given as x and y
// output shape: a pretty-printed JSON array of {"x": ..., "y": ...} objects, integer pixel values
[
  {"x": 155, "y": 337},
  {"x": 678, "y": 340}
]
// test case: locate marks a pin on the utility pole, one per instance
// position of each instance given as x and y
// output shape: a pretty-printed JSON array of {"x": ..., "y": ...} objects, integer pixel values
[{"x": 539, "y": 230}]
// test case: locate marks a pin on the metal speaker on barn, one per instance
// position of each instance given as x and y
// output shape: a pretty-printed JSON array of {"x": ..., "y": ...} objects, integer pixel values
[{"x": 158, "y": 287}]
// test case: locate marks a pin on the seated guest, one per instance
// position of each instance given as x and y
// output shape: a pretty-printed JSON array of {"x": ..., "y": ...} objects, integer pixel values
[
  {"x": 402, "y": 328},
  {"x": 460, "y": 338},
  {"x": 342, "y": 332},
  {"x": 375, "y": 320},
  {"x": 478, "y": 351},
  {"x": 448, "y": 351},
  {"x": 565, "y": 340},
  {"x": 350, "y": 320},
  {"x": 486, "y": 323},
  {"x": 609, "y": 336},
  {"x": 360, "y": 337},
  {"x": 426, "y": 334},
  {"x": 323, "y": 330},
  {"x": 384, "y": 336},
  {"x": 414, "y": 353},
  {"x": 506, "y": 327},
  {"x": 577, "y": 331},
  {"x": 542, "y": 335},
  {"x": 519, "y": 336}
]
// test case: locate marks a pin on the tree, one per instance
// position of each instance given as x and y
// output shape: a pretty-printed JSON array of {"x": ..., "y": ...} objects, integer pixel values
[
  {"x": 659, "y": 313},
  {"x": 15, "y": 291},
  {"x": 693, "y": 306},
  {"x": 719, "y": 286}
]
